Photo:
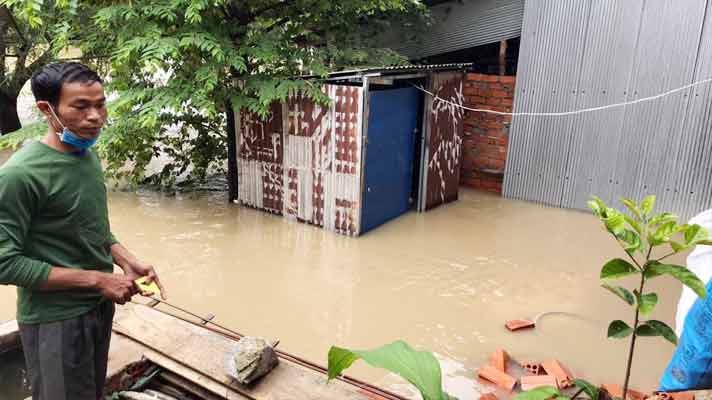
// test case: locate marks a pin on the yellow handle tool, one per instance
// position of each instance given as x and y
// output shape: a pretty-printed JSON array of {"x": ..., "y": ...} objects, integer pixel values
[{"x": 147, "y": 287}]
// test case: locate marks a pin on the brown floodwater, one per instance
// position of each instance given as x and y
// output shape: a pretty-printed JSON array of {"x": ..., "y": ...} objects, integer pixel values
[{"x": 445, "y": 281}]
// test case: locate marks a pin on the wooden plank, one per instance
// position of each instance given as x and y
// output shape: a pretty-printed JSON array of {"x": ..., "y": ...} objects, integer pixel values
[
  {"x": 211, "y": 355},
  {"x": 195, "y": 377},
  {"x": 188, "y": 386},
  {"x": 122, "y": 352},
  {"x": 9, "y": 336}
]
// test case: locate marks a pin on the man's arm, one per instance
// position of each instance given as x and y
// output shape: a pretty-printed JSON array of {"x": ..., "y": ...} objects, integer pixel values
[
  {"x": 19, "y": 201},
  {"x": 133, "y": 267},
  {"x": 117, "y": 288}
]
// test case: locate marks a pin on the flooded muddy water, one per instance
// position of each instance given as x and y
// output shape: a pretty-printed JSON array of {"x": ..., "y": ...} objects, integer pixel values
[{"x": 444, "y": 281}]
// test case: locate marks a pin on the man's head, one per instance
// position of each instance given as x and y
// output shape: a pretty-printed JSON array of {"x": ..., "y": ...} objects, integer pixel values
[{"x": 71, "y": 95}]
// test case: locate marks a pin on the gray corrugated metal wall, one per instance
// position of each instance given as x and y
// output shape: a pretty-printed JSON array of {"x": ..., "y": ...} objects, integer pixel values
[
  {"x": 585, "y": 53},
  {"x": 458, "y": 26}
]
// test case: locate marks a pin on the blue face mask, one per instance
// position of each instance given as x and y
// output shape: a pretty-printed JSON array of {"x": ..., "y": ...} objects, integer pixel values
[{"x": 72, "y": 139}]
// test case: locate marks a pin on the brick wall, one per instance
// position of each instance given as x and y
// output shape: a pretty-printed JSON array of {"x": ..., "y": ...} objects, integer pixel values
[{"x": 485, "y": 136}]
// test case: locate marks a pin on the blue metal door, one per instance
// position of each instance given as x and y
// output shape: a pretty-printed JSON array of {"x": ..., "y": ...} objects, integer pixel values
[{"x": 390, "y": 149}]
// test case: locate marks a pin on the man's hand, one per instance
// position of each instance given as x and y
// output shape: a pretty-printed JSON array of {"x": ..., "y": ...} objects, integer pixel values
[
  {"x": 116, "y": 287},
  {"x": 138, "y": 269},
  {"x": 134, "y": 269}
]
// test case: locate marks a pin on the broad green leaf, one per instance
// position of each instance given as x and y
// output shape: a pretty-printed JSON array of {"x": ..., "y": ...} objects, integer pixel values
[
  {"x": 420, "y": 368},
  {"x": 664, "y": 330},
  {"x": 617, "y": 268},
  {"x": 646, "y": 330},
  {"x": 695, "y": 233},
  {"x": 648, "y": 204},
  {"x": 631, "y": 240},
  {"x": 540, "y": 393},
  {"x": 633, "y": 224},
  {"x": 630, "y": 204},
  {"x": 614, "y": 221},
  {"x": 662, "y": 219},
  {"x": 595, "y": 207},
  {"x": 682, "y": 274},
  {"x": 646, "y": 302},
  {"x": 619, "y": 329},
  {"x": 598, "y": 206},
  {"x": 656, "y": 328},
  {"x": 663, "y": 233},
  {"x": 677, "y": 247},
  {"x": 588, "y": 388},
  {"x": 621, "y": 292}
]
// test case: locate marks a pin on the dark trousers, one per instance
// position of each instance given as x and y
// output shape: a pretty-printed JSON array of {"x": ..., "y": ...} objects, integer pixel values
[{"x": 66, "y": 360}]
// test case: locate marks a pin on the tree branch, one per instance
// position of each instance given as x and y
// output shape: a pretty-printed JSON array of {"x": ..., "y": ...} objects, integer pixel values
[
  {"x": 270, "y": 7},
  {"x": 13, "y": 22}
]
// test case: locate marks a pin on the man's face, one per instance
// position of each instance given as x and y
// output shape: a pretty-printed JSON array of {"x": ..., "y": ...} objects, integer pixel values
[{"x": 82, "y": 108}]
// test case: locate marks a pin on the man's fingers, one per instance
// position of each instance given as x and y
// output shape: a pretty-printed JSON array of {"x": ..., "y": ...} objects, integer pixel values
[{"x": 160, "y": 286}]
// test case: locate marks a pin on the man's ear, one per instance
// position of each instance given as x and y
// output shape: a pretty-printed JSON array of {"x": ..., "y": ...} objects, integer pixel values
[{"x": 44, "y": 107}]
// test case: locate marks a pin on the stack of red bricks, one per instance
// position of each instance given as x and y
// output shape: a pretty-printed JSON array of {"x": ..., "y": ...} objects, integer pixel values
[
  {"x": 554, "y": 374},
  {"x": 485, "y": 135}
]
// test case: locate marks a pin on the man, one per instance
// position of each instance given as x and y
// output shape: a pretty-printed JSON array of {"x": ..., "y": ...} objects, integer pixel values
[{"x": 55, "y": 241}]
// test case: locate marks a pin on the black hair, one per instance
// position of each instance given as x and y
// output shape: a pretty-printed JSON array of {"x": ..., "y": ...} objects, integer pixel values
[{"x": 47, "y": 82}]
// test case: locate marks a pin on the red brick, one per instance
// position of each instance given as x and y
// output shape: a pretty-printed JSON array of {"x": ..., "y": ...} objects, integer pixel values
[
  {"x": 490, "y": 78},
  {"x": 508, "y": 79},
  {"x": 494, "y": 101},
  {"x": 474, "y": 77},
  {"x": 532, "y": 367},
  {"x": 499, "y": 360},
  {"x": 507, "y": 102},
  {"x": 687, "y": 395},
  {"x": 535, "y": 381},
  {"x": 554, "y": 367},
  {"x": 499, "y": 93},
  {"x": 517, "y": 324},
  {"x": 495, "y": 86},
  {"x": 617, "y": 391},
  {"x": 471, "y": 91},
  {"x": 497, "y": 377},
  {"x": 488, "y": 396}
]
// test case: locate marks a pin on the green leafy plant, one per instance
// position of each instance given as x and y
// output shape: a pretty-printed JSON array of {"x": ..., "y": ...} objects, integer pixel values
[
  {"x": 647, "y": 239},
  {"x": 420, "y": 368},
  {"x": 182, "y": 67},
  {"x": 15, "y": 139},
  {"x": 552, "y": 393}
]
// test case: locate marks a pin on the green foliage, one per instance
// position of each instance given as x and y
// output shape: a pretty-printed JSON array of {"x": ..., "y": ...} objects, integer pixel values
[
  {"x": 420, "y": 368},
  {"x": 552, "y": 393},
  {"x": 640, "y": 233},
  {"x": 618, "y": 268},
  {"x": 619, "y": 329},
  {"x": 15, "y": 139},
  {"x": 180, "y": 63},
  {"x": 621, "y": 292}
]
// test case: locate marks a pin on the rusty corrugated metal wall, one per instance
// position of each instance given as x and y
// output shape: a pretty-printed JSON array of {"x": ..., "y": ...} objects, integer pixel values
[
  {"x": 304, "y": 162},
  {"x": 444, "y": 138}
]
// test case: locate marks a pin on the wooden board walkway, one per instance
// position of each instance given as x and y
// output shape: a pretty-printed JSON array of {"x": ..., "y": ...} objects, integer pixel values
[{"x": 206, "y": 356}]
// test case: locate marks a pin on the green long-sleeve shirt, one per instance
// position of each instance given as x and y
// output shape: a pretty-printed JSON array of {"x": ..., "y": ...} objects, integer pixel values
[{"x": 53, "y": 212}]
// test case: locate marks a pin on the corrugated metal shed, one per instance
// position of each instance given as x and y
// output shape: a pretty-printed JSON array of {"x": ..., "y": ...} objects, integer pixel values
[
  {"x": 307, "y": 161},
  {"x": 461, "y": 25},
  {"x": 585, "y": 53}
]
